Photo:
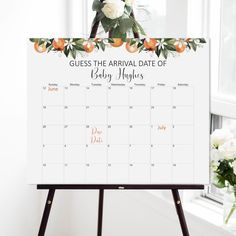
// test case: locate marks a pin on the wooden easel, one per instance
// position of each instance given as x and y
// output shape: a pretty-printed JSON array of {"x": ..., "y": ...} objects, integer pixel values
[
  {"x": 101, "y": 188},
  {"x": 174, "y": 188}
]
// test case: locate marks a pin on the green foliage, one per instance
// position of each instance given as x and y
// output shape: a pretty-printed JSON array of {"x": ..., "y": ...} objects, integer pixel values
[
  {"x": 108, "y": 24},
  {"x": 97, "y": 5},
  {"x": 202, "y": 40},
  {"x": 164, "y": 48},
  {"x": 125, "y": 24},
  {"x": 224, "y": 174},
  {"x": 33, "y": 40},
  {"x": 219, "y": 182},
  {"x": 158, "y": 52}
]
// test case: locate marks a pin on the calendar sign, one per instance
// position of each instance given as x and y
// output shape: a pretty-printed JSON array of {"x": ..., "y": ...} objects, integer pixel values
[{"x": 103, "y": 114}]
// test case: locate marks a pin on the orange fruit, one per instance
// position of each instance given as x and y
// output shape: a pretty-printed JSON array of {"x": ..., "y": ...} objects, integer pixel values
[
  {"x": 180, "y": 47},
  {"x": 117, "y": 42},
  {"x": 88, "y": 47},
  {"x": 40, "y": 48},
  {"x": 150, "y": 44},
  {"x": 131, "y": 48},
  {"x": 59, "y": 44}
]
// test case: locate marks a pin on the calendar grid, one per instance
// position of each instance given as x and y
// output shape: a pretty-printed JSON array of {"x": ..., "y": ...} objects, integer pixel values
[{"x": 80, "y": 118}]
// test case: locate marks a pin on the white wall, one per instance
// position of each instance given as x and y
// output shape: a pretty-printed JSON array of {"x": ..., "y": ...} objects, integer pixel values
[
  {"x": 131, "y": 213},
  {"x": 19, "y": 202}
]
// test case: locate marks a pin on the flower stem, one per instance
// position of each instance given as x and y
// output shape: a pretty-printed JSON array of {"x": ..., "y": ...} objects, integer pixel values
[
  {"x": 232, "y": 209},
  {"x": 230, "y": 213}
]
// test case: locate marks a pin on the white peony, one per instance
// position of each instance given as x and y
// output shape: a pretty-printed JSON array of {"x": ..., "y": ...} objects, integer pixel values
[
  {"x": 113, "y": 9},
  {"x": 234, "y": 167},
  {"x": 129, "y": 2},
  {"x": 228, "y": 149},
  {"x": 220, "y": 136},
  {"x": 216, "y": 155}
]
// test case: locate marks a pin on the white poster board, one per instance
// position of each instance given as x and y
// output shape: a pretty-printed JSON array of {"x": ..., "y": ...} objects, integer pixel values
[{"x": 117, "y": 117}]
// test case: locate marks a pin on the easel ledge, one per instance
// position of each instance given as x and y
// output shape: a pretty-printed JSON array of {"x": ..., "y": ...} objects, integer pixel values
[
  {"x": 121, "y": 187},
  {"x": 174, "y": 189}
]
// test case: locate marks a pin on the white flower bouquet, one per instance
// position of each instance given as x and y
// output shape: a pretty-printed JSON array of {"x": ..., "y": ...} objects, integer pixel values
[
  {"x": 223, "y": 163},
  {"x": 116, "y": 17}
]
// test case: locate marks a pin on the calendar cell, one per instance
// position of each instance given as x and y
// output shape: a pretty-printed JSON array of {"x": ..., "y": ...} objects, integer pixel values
[
  {"x": 118, "y": 174},
  {"x": 139, "y": 173},
  {"x": 161, "y": 173},
  {"x": 183, "y": 173},
  {"x": 75, "y": 153},
  {"x": 96, "y": 173},
  {"x": 140, "y": 134},
  {"x": 161, "y": 96},
  {"x": 96, "y": 115},
  {"x": 52, "y": 173},
  {"x": 161, "y": 134},
  {"x": 135, "y": 97},
  {"x": 52, "y": 95},
  {"x": 140, "y": 115},
  {"x": 118, "y": 96},
  {"x": 183, "y": 115},
  {"x": 53, "y": 153},
  {"x": 183, "y": 134},
  {"x": 96, "y": 154},
  {"x": 118, "y": 134},
  {"x": 183, "y": 154},
  {"x": 161, "y": 115},
  {"x": 53, "y": 134},
  {"x": 53, "y": 115},
  {"x": 118, "y": 154},
  {"x": 75, "y": 134},
  {"x": 97, "y": 135},
  {"x": 118, "y": 115},
  {"x": 75, "y": 173},
  {"x": 75, "y": 96},
  {"x": 96, "y": 96},
  {"x": 183, "y": 96},
  {"x": 161, "y": 153},
  {"x": 75, "y": 115},
  {"x": 139, "y": 154}
]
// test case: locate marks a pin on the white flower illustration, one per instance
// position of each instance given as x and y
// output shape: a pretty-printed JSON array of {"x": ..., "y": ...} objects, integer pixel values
[{"x": 113, "y": 9}]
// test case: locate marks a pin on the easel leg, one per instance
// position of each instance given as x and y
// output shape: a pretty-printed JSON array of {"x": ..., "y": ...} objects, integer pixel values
[
  {"x": 46, "y": 212},
  {"x": 100, "y": 212},
  {"x": 180, "y": 212}
]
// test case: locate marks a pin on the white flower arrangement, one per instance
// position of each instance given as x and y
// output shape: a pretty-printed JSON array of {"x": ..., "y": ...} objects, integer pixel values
[
  {"x": 116, "y": 17},
  {"x": 223, "y": 158}
]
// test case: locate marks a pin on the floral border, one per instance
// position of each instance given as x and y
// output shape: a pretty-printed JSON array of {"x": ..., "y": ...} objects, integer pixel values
[{"x": 162, "y": 47}]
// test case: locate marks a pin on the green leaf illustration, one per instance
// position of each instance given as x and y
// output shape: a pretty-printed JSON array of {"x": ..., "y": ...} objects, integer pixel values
[
  {"x": 125, "y": 25},
  {"x": 96, "y": 5}
]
